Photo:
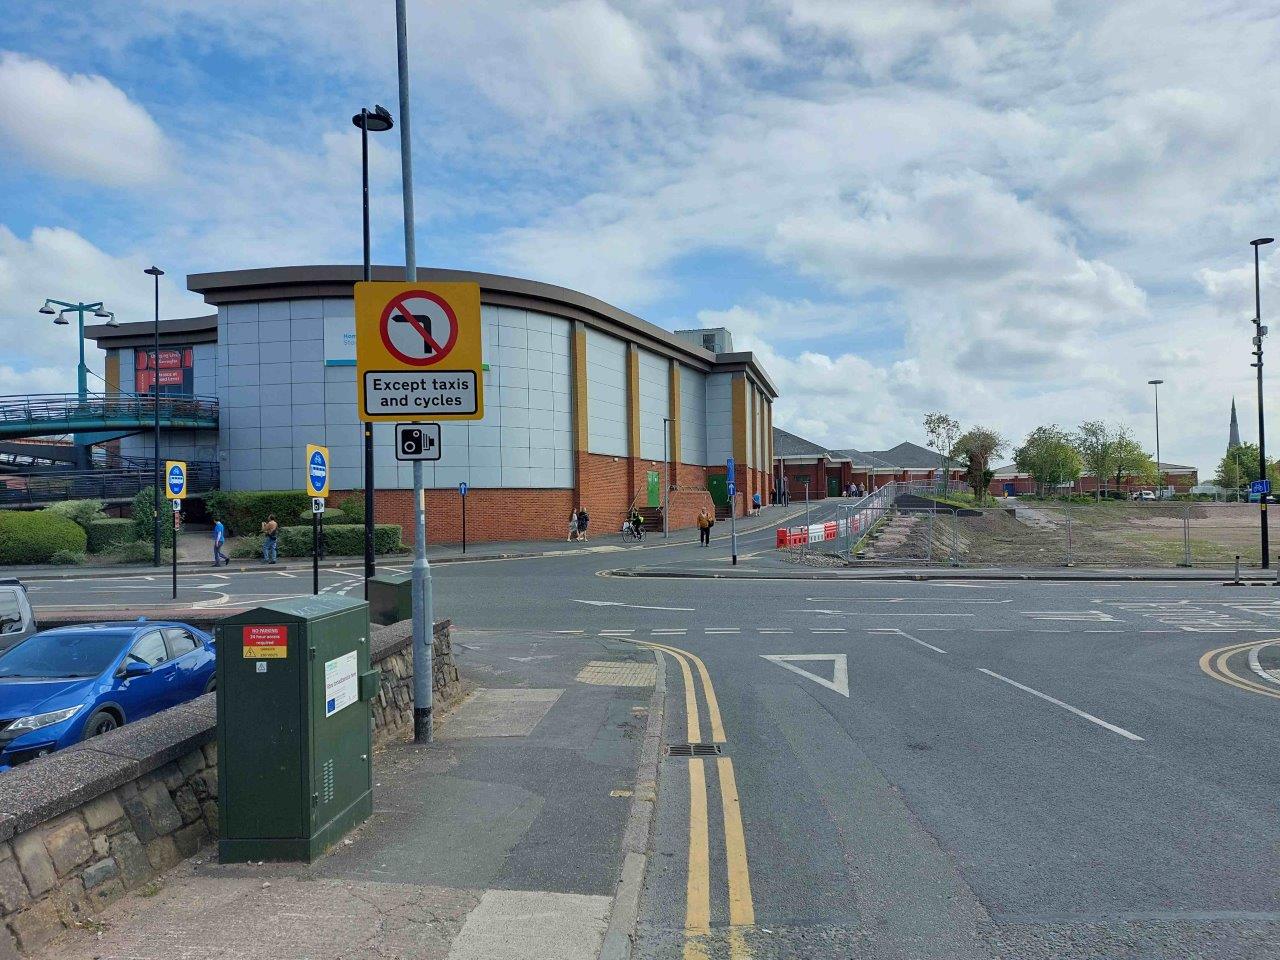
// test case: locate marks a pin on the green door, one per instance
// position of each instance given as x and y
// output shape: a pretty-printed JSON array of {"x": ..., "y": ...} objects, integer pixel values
[
  {"x": 833, "y": 485},
  {"x": 718, "y": 487},
  {"x": 654, "y": 488}
]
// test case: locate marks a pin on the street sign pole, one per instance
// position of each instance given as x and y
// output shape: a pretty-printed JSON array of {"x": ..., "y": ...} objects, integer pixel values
[
  {"x": 177, "y": 523},
  {"x": 315, "y": 552},
  {"x": 462, "y": 492},
  {"x": 731, "y": 482},
  {"x": 317, "y": 469},
  {"x": 423, "y": 607}
]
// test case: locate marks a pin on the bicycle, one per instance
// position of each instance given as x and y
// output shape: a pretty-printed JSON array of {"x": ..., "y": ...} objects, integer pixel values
[{"x": 630, "y": 532}]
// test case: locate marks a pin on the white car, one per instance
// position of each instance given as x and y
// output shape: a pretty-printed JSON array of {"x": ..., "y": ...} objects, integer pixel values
[{"x": 1142, "y": 495}]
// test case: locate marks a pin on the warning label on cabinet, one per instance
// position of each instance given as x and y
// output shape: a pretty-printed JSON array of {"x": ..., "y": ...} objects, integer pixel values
[
  {"x": 341, "y": 686},
  {"x": 269, "y": 642}
]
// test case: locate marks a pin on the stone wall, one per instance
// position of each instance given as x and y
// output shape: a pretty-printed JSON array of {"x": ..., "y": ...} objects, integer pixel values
[{"x": 80, "y": 827}]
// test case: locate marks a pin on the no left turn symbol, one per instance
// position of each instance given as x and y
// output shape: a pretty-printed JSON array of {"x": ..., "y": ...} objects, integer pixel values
[{"x": 419, "y": 328}]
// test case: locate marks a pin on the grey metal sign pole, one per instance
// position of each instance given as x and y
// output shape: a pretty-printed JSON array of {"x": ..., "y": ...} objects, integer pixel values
[{"x": 423, "y": 612}]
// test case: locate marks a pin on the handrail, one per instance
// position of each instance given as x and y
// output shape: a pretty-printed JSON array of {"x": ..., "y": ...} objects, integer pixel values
[{"x": 24, "y": 489}]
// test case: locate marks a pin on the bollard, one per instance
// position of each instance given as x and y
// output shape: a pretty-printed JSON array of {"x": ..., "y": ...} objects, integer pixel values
[
  {"x": 1237, "y": 569},
  {"x": 1068, "y": 538}
]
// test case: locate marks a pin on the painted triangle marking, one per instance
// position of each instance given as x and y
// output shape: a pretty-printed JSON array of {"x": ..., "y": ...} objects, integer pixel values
[{"x": 839, "y": 681}]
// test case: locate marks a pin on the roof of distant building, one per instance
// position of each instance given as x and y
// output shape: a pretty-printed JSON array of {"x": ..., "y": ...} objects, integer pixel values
[
  {"x": 788, "y": 445},
  {"x": 912, "y": 456}
]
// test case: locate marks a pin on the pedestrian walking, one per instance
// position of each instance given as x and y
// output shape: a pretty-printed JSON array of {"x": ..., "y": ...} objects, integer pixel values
[
  {"x": 705, "y": 522},
  {"x": 755, "y": 502},
  {"x": 573, "y": 526},
  {"x": 584, "y": 519},
  {"x": 219, "y": 538},
  {"x": 270, "y": 539}
]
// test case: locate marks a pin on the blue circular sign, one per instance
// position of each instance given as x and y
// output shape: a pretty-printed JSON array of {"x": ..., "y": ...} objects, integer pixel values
[
  {"x": 177, "y": 480},
  {"x": 317, "y": 471},
  {"x": 462, "y": 488}
]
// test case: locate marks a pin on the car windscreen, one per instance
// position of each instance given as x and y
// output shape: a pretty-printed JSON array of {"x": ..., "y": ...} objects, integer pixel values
[
  {"x": 62, "y": 654},
  {"x": 10, "y": 611}
]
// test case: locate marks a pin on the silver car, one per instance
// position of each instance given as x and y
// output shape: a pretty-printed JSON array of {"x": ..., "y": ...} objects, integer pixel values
[{"x": 17, "y": 621}]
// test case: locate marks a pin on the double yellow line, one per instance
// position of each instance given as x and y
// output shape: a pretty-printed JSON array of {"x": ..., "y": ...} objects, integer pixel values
[
  {"x": 698, "y": 889},
  {"x": 1214, "y": 663}
]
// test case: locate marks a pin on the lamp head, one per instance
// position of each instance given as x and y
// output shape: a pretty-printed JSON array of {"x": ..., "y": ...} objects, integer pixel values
[
  {"x": 377, "y": 120},
  {"x": 153, "y": 271},
  {"x": 1261, "y": 240},
  {"x": 47, "y": 309},
  {"x": 1155, "y": 383},
  {"x": 102, "y": 313},
  {"x": 61, "y": 320},
  {"x": 112, "y": 321}
]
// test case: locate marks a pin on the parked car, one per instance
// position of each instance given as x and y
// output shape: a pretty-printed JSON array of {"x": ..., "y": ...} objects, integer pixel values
[
  {"x": 17, "y": 620},
  {"x": 68, "y": 684},
  {"x": 1142, "y": 495}
]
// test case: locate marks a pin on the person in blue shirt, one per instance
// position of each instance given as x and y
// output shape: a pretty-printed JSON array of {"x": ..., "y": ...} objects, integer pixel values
[{"x": 219, "y": 538}]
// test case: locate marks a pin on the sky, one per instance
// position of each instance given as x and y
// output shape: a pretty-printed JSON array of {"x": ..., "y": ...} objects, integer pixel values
[{"x": 1014, "y": 211}]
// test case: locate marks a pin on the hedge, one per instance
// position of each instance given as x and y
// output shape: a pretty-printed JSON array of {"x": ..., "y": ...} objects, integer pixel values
[
  {"x": 331, "y": 516},
  {"x": 243, "y": 512},
  {"x": 36, "y": 536},
  {"x": 109, "y": 532},
  {"x": 83, "y": 512},
  {"x": 144, "y": 517},
  {"x": 340, "y": 540}
]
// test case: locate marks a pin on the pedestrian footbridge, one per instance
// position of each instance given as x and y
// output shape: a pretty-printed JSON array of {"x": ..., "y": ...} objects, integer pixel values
[{"x": 53, "y": 414}]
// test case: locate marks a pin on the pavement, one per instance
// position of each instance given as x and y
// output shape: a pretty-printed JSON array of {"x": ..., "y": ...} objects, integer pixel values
[
  {"x": 502, "y": 838},
  {"x": 965, "y": 767}
]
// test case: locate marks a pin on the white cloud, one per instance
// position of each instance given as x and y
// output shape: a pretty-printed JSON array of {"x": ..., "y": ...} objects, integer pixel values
[
  {"x": 78, "y": 125},
  {"x": 61, "y": 264}
]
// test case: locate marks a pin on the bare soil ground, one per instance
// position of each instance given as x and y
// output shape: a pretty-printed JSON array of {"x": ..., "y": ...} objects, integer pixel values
[{"x": 1104, "y": 534}]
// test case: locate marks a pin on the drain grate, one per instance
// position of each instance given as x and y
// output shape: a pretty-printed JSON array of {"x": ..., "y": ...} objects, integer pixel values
[{"x": 693, "y": 750}]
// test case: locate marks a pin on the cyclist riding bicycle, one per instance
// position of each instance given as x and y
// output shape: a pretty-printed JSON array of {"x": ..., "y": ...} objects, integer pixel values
[{"x": 636, "y": 521}]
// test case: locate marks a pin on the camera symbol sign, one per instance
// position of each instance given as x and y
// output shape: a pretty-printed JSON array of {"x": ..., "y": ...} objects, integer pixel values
[
  {"x": 417, "y": 441},
  {"x": 419, "y": 328}
]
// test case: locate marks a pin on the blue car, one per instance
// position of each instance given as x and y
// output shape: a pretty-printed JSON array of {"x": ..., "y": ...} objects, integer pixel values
[{"x": 61, "y": 686}]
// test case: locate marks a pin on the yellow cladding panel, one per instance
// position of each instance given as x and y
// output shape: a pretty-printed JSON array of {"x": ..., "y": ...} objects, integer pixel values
[
  {"x": 673, "y": 409},
  {"x": 579, "y": 359},
  {"x": 633, "y": 399},
  {"x": 419, "y": 351},
  {"x": 738, "y": 399}
]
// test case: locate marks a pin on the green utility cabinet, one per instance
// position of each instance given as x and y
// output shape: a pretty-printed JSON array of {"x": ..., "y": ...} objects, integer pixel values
[
  {"x": 390, "y": 598},
  {"x": 294, "y": 733}
]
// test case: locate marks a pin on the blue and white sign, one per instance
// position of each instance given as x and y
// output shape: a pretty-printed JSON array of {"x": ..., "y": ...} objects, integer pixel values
[
  {"x": 733, "y": 489},
  {"x": 317, "y": 470},
  {"x": 728, "y": 472},
  {"x": 463, "y": 488},
  {"x": 175, "y": 479},
  {"x": 1260, "y": 486}
]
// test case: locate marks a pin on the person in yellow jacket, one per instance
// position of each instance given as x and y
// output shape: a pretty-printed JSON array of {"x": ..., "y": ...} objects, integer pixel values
[{"x": 705, "y": 522}]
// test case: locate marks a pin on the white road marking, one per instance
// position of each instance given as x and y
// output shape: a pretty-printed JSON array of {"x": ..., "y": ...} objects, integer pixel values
[
  {"x": 773, "y": 631},
  {"x": 1065, "y": 706},
  {"x": 569, "y": 631},
  {"x": 902, "y": 600},
  {"x": 839, "y": 681},
  {"x": 281, "y": 573},
  {"x": 833, "y": 630},
  {"x": 722, "y": 630},
  {"x": 668, "y": 633},
  {"x": 1079, "y": 615},
  {"x": 992, "y": 629},
  {"x": 1255, "y": 663},
  {"x": 878, "y": 613},
  {"x": 895, "y": 630},
  {"x": 615, "y": 633},
  {"x": 631, "y": 606}
]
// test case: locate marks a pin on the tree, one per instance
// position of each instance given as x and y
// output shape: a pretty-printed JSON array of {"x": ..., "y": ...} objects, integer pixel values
[
  {"x": 1097, "y": 444},
  {"x": 1050, "y": 457},
  {"x": 976, "y": 448},
  {"x": 1240, "y": 467},
  {"x": 942, "y": 431},
  {"x": 1133, "y": 462}
]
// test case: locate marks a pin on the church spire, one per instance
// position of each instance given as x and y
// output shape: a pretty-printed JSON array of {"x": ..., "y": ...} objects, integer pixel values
[{"x": 1233, "y": 440}]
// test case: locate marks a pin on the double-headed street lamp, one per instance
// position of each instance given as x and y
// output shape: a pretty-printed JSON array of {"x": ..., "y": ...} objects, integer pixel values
[
  {"x": 82, "y": 372},
  {"x": 377, "y": 121},
  {"x": 1159, "y": 467},
  {"x": 1260, "y": 332},
  {"x": 79, "y": 309}
]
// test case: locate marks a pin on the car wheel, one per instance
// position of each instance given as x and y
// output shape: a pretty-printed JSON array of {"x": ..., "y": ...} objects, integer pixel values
[
  {"x": 100, "y": 723},
  {"x": 212, "y": 685}
]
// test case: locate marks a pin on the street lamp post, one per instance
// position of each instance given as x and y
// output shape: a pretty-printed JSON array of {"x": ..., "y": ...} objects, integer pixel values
[
  {"x": 1260, "y": 332},
  {"x": 82, "y": 371},
  {"x": 379, "y": 121},
  {"x": 156, "y": 273},
  {"x": 1159, "y": 468}
]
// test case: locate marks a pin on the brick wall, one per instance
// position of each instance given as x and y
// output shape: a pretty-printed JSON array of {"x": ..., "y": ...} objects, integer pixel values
[{"x": 492, "y": 514}]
